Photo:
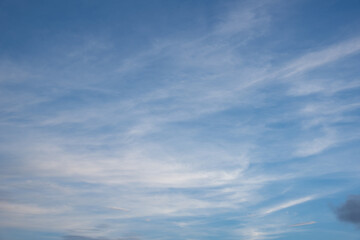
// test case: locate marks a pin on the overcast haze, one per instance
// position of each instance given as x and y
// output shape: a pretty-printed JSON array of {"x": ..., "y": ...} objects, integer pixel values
[{"x": 184, "y": 120}]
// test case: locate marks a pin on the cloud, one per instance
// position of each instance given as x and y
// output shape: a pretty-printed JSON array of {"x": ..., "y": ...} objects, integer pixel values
[
  {"x": 81, "y": 238},
  {"x": 74, "y": 237},
  {"x": 303, "y": 87},
  {"x": 315, "y": 146},
  {"x": 303, "y": 224},
  {"x": 246, "y": 17},
  {"x": 120, "y": 209},
  {"x": 163, "y": 136},
  {"x": 27, "y": 209},
  {"x": 288, "y": 204},
  {"x": 319, "y": 58},
  {"x": 262, "y": 230},
  {"x": 350, "y": 210}
]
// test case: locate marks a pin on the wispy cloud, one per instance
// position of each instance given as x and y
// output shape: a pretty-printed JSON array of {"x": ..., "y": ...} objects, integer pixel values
[
  {"x": 73, "y": 237},
  {"x": 316, "y": 146},
  {"x": 120, "y": 209},
  {"x": 214, "y": 125},
  {"x": 264, "y": 231},
  {"x": 303, "y": 224},
  {"x": 287, "y": 204},
  {"x": 27, "y": 209},
  {"x": 319, "y": 58}
]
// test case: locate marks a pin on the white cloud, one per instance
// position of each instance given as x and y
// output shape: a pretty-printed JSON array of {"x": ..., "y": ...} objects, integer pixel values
[
  {"x": 247, "y": 16},
  {"x": 315, "y": 146},
  {"x": 319, "y": 58},
  {"x": 265, "y": 230},
  {"x": 303, "y": 224},
  {"x": 287, "y": 204},
  {"x": 27, "y": 209},
  {"x": 305, "y": 87}
]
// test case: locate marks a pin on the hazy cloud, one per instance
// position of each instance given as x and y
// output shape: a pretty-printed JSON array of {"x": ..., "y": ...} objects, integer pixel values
[
  {"x": 234, "y": 123},
  {"x": 73, "y": 237},
  {"x": 303, "y": 224},
  {"x": 322, "y": 57},
  {"x": 81, "y": 238}
]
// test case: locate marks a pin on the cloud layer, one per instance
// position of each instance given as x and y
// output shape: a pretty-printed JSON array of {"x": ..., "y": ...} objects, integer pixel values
[{"x": 141, "y": 124}]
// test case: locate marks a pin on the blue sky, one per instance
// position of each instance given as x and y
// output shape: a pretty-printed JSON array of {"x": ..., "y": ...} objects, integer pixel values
[{"x": 136, "y": 120}]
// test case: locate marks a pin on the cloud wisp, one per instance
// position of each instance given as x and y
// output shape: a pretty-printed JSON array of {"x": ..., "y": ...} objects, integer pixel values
[
  {"x": 287, "y": 204},
  {"x": 303, "y": 224}
]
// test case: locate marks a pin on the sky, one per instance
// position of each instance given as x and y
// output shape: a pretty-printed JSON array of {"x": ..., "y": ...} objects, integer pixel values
[{"x": 179, "y": 120}]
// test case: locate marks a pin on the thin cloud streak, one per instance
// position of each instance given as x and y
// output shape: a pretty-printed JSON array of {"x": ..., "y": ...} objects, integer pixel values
[
  {"x": 288, "y": 204},
  {"x": 303, "y": 224},
  {"x": 319, "y": 58}
]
